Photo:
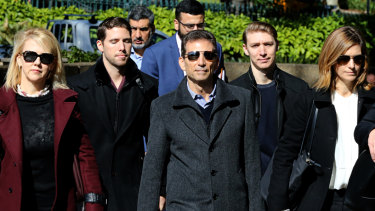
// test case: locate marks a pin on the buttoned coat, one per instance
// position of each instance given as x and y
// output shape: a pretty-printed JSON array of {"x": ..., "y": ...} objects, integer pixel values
[
  {"x": 316, "y": 182},
  {"x": 69, "y": 138},
  {"x": 119, "y": 151},
  {"x": 213, "y": 166},
  {"x": 161, "y": 62}
]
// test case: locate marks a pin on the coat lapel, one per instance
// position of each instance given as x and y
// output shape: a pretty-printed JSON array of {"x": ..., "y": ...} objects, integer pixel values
[
  {"x": 221, "y": 111},
  {"x": 176, "y": 55},
  {"x": 9, "y": 125},
  {"x": 63, "y": 111},
  {"x": 190, "y": 113}
]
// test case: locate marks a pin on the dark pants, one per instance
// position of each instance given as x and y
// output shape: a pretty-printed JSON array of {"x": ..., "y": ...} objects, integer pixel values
[{"x": 335, "y": 201}]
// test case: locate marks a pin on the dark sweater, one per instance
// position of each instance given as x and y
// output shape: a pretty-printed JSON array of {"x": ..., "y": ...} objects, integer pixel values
[{"x": 38, "y": 179}]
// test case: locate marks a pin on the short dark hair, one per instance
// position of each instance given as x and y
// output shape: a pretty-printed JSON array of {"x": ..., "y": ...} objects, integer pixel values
[
  {"x": 141, "y": 12},
  {"x": 197, "y": 35},
  {"x": 110, "y": 23},
  {"x": 192, "y": 7},
  {"x": 259, "y": 26}
]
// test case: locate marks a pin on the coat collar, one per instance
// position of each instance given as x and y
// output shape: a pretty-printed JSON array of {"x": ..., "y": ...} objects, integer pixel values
[
  {"x": 193, "y": 118},
  {"x": 183, "y": 98},
  {"x": 324, "y": 96},
  {"x": 102, "y": 77},
  {"x": 276, "y": 76}
]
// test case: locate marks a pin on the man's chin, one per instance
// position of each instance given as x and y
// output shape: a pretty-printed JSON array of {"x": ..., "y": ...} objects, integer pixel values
[{"x": 138, "y": 46}]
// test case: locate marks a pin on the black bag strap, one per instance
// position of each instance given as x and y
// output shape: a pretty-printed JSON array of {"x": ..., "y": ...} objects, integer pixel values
[{"x": 310, "y": 127}]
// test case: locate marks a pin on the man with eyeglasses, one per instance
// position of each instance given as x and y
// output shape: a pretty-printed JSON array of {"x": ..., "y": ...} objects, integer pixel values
[
  {"x": 141, "y": 20},
  {"x": 202, "y": 139},
  {"x": 114, "y": 101},
  {"x": 161, "y": 59}
]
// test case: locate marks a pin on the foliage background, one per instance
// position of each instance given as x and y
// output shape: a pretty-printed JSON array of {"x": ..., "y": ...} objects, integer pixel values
[{"x": 300, "y": 38}]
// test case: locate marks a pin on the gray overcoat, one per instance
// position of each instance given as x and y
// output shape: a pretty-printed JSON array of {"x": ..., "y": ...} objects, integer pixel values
[{"x": 208, "y": 167}]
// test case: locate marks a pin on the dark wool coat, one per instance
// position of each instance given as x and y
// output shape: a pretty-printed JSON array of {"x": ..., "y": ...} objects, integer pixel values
[
  {"x": 69, "y": 138},
  {"x": 317, "y": 180},
  {"x": 208, "y": 167},
  {"x": 116, "y": 124}
]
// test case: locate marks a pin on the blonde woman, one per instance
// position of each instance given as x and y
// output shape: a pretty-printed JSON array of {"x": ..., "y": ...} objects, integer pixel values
[
  {"x": 40, "y": 131},
  {"x": 342, "y": 99}
]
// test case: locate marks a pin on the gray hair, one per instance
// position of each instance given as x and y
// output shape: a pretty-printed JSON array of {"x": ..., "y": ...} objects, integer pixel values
[{"x": 141, "y": 12}]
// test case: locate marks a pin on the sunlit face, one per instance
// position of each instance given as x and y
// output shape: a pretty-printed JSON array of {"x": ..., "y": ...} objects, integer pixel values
[
  {"x": 141, "y": 33},
  {"x": 348, "y": 71},
  {"x": 188, "y": 23},
  {"x": 33, "y": 73},
  {"x": 115, "y": 47},
  {"x": 261, "y": 47},
  {"x": 199, "y": 70}
]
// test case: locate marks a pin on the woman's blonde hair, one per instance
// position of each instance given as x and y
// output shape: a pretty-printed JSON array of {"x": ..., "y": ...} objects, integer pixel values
[
  {"x": 336, "y": 44},
  {"x": 56, "y": 76}
]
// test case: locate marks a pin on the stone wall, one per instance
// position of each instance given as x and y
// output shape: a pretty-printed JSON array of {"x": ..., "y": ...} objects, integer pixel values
[{"x": 308, "y": 72}]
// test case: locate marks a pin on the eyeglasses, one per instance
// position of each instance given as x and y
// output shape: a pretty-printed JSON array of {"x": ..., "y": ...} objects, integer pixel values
[
  {"x": 344, "y": 59},
  {"x": 191, "y": 26},
  {"x": 208, "y": 55},
  {"x": 31, "y": 56}
]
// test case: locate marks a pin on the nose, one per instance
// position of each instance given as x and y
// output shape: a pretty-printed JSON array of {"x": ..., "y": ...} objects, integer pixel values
[
  {"x": 122, "y": 46},
  {"x": 37, "y": 61},
  {"x": 351, "y": 63},
  {"x": 262, "y": 50},
  {"x": 138, "y": 33},
  {"x": 201, "y": 60}
]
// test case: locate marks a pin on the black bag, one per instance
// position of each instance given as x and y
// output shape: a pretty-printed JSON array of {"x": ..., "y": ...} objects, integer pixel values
[
  {"x": 300, "y": 165},
  {"x": 360, "y": 193}
]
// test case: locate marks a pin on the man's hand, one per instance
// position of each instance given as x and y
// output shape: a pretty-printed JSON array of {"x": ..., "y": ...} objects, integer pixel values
[
  {"x": 161, "y": 203},
  {"x": 371, "y": 144}
]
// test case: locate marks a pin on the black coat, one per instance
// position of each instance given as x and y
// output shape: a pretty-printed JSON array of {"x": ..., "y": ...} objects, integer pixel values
[
  {"x": 116, "y": 123},
  {"x": 288, "y": 88},
  {"x": 317, "y": 181}
]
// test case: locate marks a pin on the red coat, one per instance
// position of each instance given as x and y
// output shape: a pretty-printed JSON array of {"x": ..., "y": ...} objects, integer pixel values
[{"x": 69, "y": 137}]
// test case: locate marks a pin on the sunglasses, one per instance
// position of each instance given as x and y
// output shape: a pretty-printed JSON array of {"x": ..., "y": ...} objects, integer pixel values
[
  {"x": 344, "y": 59},
  {"x": 194, "y": 55},
  {"x": 191, "y": 26},
  {"x": 31, "y": 56}
]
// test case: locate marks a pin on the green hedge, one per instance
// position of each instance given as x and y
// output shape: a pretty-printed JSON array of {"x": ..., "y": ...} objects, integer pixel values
[{"x": 300, "y": 40}]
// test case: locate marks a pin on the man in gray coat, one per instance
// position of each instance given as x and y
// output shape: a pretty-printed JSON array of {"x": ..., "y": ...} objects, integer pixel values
[{"x": 202, "y": 140}]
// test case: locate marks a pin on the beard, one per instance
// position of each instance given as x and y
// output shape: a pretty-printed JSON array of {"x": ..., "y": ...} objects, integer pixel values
[
  {"x": 144, "y": 45},
  {"x": 180, "y": 34}
]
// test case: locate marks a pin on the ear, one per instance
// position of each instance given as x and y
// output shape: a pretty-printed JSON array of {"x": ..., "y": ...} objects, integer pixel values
[
  {"x": 19, "y": 60},
  {"x": 176, "y": 24},
  {"x": 277, "y": 45},
  {"x": 244, "y": 47},
  {"x": 181, "y": 62},
  {"x": 99, "y": 44}
]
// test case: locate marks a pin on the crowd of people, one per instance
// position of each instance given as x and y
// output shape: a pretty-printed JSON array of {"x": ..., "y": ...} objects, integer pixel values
[{"x": 157, "y": 126}]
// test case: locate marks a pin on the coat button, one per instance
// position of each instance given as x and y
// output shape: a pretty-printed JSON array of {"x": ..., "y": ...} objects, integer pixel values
[
  {"x": 10, "y": 190},
  {"x": 211, "y": 149},
  {"x": 213, "y": 172},
  {"x": 14, "y": 164},
  {"x": 215, "y": 196}
]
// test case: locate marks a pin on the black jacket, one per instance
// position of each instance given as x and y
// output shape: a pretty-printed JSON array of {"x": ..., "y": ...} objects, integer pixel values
[
  {"x": 116, "y": 124},
  {"x": 316, "y": 182},
  {"x": 288, "y": 87}
]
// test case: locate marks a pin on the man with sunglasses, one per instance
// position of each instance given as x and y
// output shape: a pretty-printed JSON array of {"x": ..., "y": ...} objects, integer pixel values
[
  {"x": 141, "y": 20},
  {"x": 114, "y": 100},
  {"x": 274, "y": 90},
  {"x": 161, "y": 59},
  {"x": 202, "y": 139}
]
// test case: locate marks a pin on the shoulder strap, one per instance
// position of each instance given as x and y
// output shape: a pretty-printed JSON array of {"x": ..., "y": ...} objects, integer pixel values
[{"x": 310, "y": 129}]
